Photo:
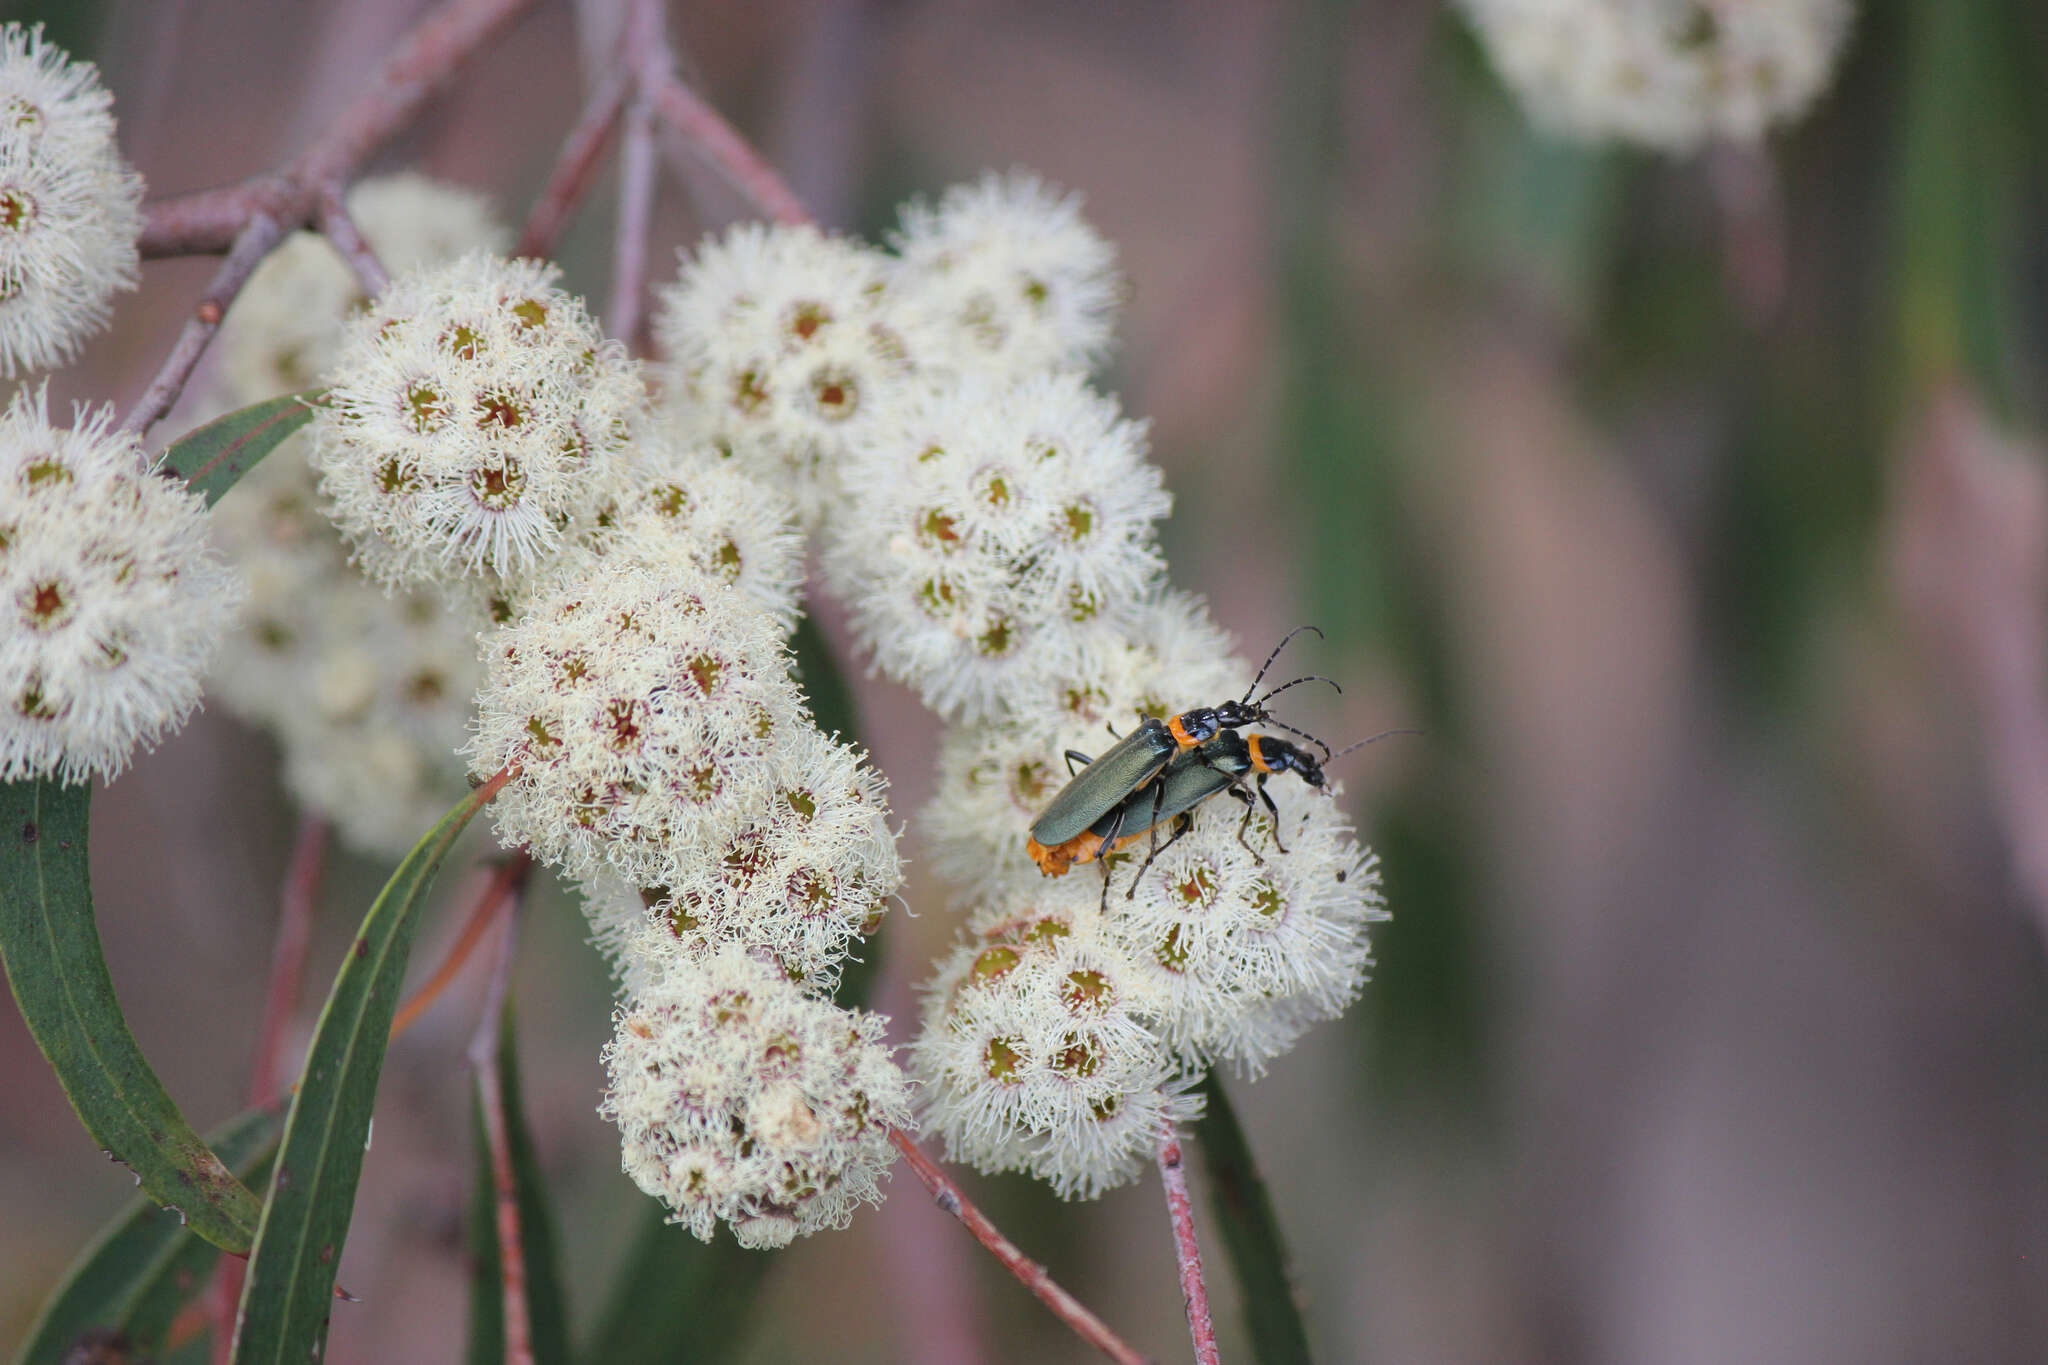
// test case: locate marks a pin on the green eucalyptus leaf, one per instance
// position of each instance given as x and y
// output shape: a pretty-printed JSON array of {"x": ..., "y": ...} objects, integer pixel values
[
  {"x": 59, "y": 976},
  {"x": 212, "y": 458},
  {"x": 1251, "y": 1233},
  {"x": 546, "y": 1313},
  {"x": 677, "y": 1301},
  {"x": 290, "y": 1285},
  {"x": 146, "y": 1265}
]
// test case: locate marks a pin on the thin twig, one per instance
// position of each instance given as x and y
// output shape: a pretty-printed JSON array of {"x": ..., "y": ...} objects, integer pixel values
[
  {"x": 575, "y": 167},
  {"x": 720, "y": 144},
  {"x": 483, "y": 1057},
  {"x": 1029, "y": 1273},
  {"x": 288, "y": 955},
  {"x": 505, "y": 886},
  {"x": 258, "y": 236},
  {"x": 209, "y": 221},
  {"x": 636, "y": 212},
  {"x": 1194, "y": 1291},
  {"x": 348, "y": 239}
]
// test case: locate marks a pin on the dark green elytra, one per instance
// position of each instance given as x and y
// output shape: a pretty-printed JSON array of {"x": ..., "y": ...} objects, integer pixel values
[
  {"x": 1101, "y": 787},
  {"x": 1187, "y": 782}
]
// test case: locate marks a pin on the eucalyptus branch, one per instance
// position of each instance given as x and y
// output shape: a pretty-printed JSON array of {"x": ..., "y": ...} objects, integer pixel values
[
  {"x": 575, "y": 167},
  {"x": 502, "y": 891},
  {"x": 636, "y": 210},
  {"x": 348, "y": 240},
  {"x": 1194, "y": 1291},
  {"x": 256, "y": 240},
  {"x": 1029, "y": 1273}
]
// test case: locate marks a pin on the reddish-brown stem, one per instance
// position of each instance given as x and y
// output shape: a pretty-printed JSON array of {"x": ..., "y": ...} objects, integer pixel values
[
  {"x": 288, "y": 955},
  {"x": 575, "y": 167},
  {"x": 1194, "y": 1291},
  {"x": 1029, "y": 1273},
  {"x": 348, "y": 240},
  {"x": 257, "y": 237},
  {"x": 636, "y": 212},
  {"x": 503, "y": 889},
  {"x": 483, "y": 1057},
  {"x": 209, "y": 221},
  {"x": 721, "y": 144}
]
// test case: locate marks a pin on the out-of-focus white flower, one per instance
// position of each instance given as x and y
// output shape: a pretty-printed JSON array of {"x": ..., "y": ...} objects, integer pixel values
[
  {"x": 115, "y": 599},
  {"x": 283, "y": 331},
  {"x": 687, "y": 508},
  {"x": 70, "y": 207},
  {"x": 476, "y": 421},
  {"x": 803, "y": 877},
  {"x": 1666, "y": 73},
  {"x": 739, "y": 1098},
  {"x": 645, "y": 711},
  {"x": 1007, "y": 278},
  {"x": 983, "y": 525},
  {"x": 780, "y": 347},
  {"x": 1035, "y": 1053}
]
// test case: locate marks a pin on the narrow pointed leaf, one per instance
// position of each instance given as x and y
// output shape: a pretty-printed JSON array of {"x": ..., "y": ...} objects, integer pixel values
[
  {"x": 213, "y": 457},
  {"x": 546, "y": 1313},
  {"x": 677, "y": 1301},
  {"x": 290, "y": 1285},
  {"x": 59, "y": 976},
  {"x": 146, "y": 1264},
  {"x": 1251, "y": 1233}
]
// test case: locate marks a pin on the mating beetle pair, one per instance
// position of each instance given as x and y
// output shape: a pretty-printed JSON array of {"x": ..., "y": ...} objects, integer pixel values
[{"x": 1161, "y": 771}]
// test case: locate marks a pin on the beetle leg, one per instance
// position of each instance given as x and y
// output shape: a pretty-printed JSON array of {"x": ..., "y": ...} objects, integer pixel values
[
  {"x": 1116, "y": 829},
  {"x": 1158, "y": 797},
  {"x": 1267, "y": 797},
  {"x": 1073, "y": 754},
  {"x": 1182, "y": 823}
]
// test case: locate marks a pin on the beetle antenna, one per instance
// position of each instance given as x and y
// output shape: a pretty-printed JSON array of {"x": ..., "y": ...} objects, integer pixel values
[
  {"x": 1306, "y": 677},
  {"x": 1283, "y": 725},
  {"x": 1369, "y": 739},
  {"x": 1274, "y": 655}
]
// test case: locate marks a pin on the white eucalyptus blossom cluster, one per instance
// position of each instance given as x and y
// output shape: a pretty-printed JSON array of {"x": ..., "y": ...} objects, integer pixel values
[
  {"x": 367, "y": 693},
  {"x": 476, "y": 422},
  {"x": 785, "y": 347},
  {"x": 988, "y": 518},
  {"x": 70, "y": 207},
  {"x": 115, "y": 598},
  {"x": 1669, "y": 74},
  {"x": 740, "y": 1098}
]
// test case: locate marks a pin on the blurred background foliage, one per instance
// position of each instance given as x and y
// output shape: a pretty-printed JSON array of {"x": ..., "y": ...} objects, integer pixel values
[{"x": 1695, "y": 510}]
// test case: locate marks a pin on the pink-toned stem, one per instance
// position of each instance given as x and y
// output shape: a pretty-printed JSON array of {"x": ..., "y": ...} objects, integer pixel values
[
  {"x": 1029, "y": 1273},
  {"x": 348, "y": 239},
  {"x": 636, "y": 215},
  {"x": 210, "y": 221},
  {"x": 1194, "y": 1291},
  {"x": 575, "y": 168},
  {"x": 504, "y": 889},
  {"x": 296, "y": 904},
  {"x": 257, "y": 237},
  {"x": 483, "y": 1058},
  {"x": 721, "y": 144}
]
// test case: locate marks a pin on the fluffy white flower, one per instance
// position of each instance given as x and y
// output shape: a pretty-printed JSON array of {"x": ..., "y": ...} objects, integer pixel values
[
  {"x": 802, "y": 877},
  {"x": 70, "y": 207},
  {"x": 983, "y": 524},
  {"x": 687, "y": 508},
  {"x": 285, "y": 327},
  {"x": 1035, "y": 1053},
  {"x": 1242, "y": 946},
  {"x": 739, "y": 1098},
  {"x": 644, "y": 709},
  {"x": 115, "y": 598},
  {"x": 1666, "y": 73},
  {"x": 1007, "y": 277},
  {"x": 780, "y": 347},
  {"x": 1159, "y": 659},
  {"x": 476, "y": 421}
]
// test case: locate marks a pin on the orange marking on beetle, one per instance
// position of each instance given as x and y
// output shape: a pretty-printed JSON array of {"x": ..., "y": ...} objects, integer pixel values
[
  {"x": 1180, "y": 734},
  {"x": 1251, "y": 744},
  {"x": 1055, "y": 860}
]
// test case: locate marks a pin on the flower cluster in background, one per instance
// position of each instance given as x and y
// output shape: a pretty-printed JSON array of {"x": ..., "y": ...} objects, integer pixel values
[{"x": 1669, "y": 74}]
